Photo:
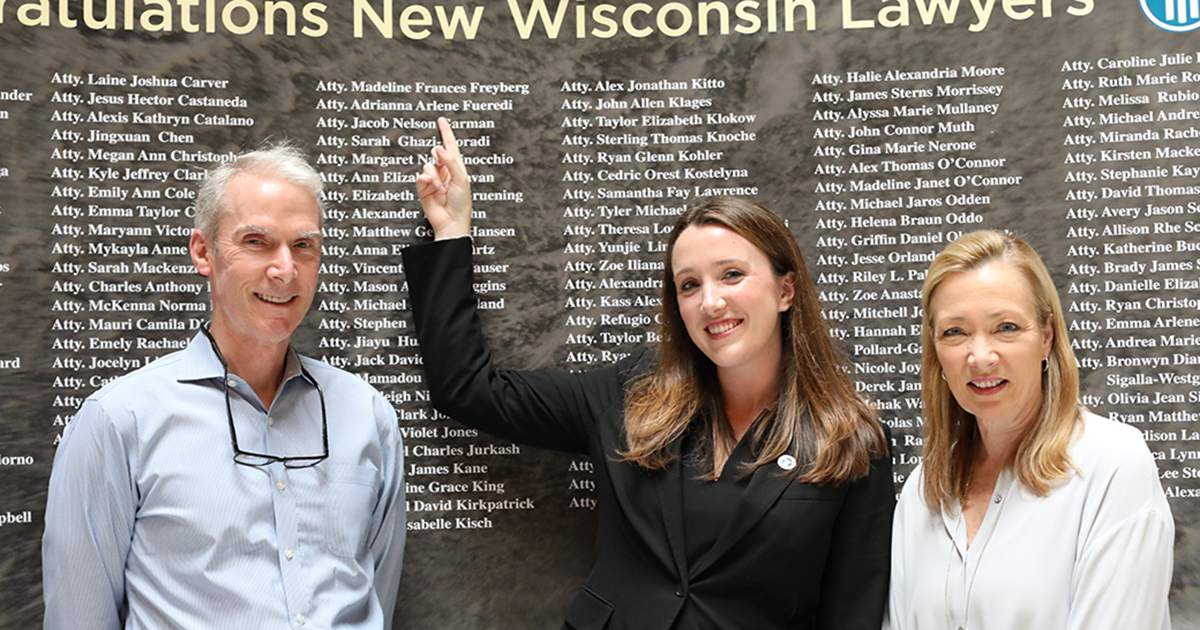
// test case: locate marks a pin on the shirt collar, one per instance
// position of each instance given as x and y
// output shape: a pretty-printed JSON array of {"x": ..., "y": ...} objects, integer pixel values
[
  {"x": 956, "y": 525},
  {"x": 199, "y": 362}
]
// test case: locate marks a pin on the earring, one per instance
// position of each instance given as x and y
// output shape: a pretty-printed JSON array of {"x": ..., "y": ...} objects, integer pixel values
[
  {"x": 944, "y": 377},
  {"x": 1046, "y": 364}
]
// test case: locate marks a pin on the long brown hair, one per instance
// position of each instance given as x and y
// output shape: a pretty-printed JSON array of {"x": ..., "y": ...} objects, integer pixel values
[
  {"x": 819, "y": 418},
  {"x": 951, "y": 435}
]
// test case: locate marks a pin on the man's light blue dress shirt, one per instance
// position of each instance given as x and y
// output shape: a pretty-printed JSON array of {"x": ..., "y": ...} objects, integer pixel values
[{"x": 151, "y": 524}]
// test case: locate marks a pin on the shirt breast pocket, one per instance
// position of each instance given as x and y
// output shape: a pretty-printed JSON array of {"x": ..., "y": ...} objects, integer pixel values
[{"x": 350, "y": 496}]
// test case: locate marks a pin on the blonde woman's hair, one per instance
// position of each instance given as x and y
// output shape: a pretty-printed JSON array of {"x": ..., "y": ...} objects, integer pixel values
[{"x": 951, "y": 435}]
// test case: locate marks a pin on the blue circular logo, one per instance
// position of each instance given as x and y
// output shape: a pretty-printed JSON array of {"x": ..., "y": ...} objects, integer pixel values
[{"x": 1177, "y": 16}]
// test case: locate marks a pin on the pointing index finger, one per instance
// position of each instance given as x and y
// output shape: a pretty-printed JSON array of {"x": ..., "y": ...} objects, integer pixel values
[{"x": 448, "y": 140}]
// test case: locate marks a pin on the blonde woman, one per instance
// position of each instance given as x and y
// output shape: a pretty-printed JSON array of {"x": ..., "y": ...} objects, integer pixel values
[{"x": 1027, "y": 511}]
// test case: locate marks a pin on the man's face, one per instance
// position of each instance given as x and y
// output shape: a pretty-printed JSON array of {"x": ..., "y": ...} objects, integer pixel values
[{"x": 263, "y": 266}]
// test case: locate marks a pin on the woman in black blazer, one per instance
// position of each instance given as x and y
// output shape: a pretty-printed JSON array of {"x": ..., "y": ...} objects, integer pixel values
[{"x": 740, "y": 481}]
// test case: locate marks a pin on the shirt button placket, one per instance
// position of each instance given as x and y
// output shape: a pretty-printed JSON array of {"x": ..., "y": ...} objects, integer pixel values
[{"x": 295, "y": 591}]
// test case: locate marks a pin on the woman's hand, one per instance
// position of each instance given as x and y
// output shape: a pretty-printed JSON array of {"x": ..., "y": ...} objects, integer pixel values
[{"x": 444, "y": 189}]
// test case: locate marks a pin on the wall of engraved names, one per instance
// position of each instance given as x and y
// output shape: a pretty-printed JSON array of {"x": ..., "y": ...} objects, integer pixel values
[{"x": 579, "y": 168}]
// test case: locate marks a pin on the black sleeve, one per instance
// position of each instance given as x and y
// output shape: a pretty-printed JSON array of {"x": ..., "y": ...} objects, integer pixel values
[
  {"x": 555, "y": 410},
  {"x": 854, "y": 588}
]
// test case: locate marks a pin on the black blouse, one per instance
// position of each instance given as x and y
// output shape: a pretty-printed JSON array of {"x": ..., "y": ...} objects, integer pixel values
[{"x": 704, "y": 498}]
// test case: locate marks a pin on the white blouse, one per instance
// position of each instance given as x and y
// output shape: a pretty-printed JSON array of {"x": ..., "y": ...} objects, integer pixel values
[{"x": 1093, "y": 554}]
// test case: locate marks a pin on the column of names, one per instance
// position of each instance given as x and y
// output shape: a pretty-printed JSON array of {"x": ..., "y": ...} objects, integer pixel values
[
  {"x": 1132, "y": 168},
  {"x": 903, "y": 166}
]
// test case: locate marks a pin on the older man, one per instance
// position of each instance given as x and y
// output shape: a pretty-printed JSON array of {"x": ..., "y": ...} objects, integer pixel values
[{"x": 233, "y": 484}]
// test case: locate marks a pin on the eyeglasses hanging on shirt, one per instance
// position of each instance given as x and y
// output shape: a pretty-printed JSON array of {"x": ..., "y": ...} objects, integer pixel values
[{"x": 248, "y": 458}]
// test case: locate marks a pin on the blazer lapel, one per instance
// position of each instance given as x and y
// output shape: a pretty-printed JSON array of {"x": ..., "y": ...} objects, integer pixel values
[
  {"x": 766, "y": 484},
  {"x": 670, "y": 497}
]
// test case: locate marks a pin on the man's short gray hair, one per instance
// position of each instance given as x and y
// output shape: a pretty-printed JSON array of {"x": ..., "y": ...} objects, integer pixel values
[{"x": 281, "y": 159}]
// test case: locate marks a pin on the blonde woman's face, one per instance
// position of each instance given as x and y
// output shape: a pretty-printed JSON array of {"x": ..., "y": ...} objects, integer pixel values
[{"x": 991, "y": 348}]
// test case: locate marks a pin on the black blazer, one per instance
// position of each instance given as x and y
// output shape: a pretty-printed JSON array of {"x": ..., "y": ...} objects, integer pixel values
[{"x": 793, "y": 555}]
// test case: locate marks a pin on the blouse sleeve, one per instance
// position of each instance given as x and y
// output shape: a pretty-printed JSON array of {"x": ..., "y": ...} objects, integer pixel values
[
  {"x": 1122, "y": 573},
  {"x": 898, "y": 601}
]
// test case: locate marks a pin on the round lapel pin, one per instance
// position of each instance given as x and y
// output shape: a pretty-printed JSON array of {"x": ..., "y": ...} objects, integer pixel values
[{"x": 786, "y": 462}]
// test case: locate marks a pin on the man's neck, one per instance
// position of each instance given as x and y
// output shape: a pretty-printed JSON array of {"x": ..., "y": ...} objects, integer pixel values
[{"x": 260, "y": 365}]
